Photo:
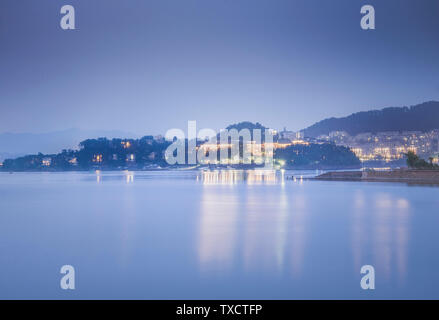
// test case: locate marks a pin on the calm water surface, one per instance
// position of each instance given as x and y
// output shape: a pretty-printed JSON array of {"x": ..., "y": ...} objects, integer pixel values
[{"x": 234, "y": 235}]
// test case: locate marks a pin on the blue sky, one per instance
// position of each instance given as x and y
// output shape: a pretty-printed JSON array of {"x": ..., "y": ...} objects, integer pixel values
[{"x": 147, "y": 66}]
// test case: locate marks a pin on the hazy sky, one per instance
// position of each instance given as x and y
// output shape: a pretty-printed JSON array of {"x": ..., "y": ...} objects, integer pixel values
[{"x": 146, "y": 66}]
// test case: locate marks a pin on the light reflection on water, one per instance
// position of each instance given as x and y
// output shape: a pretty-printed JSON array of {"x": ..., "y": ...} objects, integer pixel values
[
  {"x": 216, "y": 234},
  {"x": 230, "y": 177},
  {"x": 389, "y": 218},
  {"x": 218, "y": 229}
]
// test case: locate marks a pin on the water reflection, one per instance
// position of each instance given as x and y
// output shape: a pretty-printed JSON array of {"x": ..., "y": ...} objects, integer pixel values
[
  {"x": 222, "y": 176},
  {"x": 298, "y": 233},
  {"x": 275, "y": 231},
  {"x": 98, "y": 176},
  {"x": 129, "y": 177},
  {"x": 381, "y": 226},
  {"x": 230, "y": 177},
  {"x": 128, "y": 228},
  {"x": 265, "y": 230},
  {"x": 249, "y": 227},
  {"x": 186, "y": 239},
  {"x": 217, "y": 229}
]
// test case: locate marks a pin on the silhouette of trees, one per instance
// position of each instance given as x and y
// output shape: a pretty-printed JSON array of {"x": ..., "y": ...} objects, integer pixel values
[{"x": 414, "y": 162}]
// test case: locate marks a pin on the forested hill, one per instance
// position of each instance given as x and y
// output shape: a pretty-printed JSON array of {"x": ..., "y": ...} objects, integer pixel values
[{"x": 422, "y": 117}]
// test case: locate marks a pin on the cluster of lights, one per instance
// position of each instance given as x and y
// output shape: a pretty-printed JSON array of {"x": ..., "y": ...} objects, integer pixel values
[
  {"x": 291, "y": 143},
  {"x": 388, "y": 154},
  {"x": 97, "y": 158},
  {"x": 126, "y": 144},
  {"x": 389, "y": 146},
  {"x": 257, "y": 155},
  {"x": 47, "y": 162}
]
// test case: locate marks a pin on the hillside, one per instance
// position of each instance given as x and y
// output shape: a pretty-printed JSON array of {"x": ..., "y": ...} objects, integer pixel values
[{"x": 422, "y": 117}]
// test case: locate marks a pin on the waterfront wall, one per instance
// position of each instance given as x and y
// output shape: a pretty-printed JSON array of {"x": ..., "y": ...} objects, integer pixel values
[
  {"x": 409, "y": 175},
  {"x": 403, "y": 175},
  {"x": 341, "y": 175}
]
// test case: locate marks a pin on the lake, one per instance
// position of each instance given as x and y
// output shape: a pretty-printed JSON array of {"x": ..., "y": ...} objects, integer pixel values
[{"x": 215, "y": 235}]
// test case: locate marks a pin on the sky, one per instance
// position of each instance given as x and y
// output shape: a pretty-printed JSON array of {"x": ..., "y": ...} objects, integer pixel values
[{"x": 146, "y": 66}]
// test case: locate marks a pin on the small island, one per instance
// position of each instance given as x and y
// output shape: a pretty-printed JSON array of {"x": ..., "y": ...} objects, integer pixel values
[{"x": 149, "y": 153}]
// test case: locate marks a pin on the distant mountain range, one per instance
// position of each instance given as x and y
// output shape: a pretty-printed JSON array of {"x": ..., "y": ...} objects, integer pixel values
[
  {"x": 13, "y": 145},
  {"x": 423, "y": 117}
]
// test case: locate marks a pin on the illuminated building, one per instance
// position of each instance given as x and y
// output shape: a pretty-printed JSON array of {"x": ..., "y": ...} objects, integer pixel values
[
  {"x": 73, "y": 161},
  {"x": 126, "y": 144},
  {"x": 47, "y": 162},
  {"x": 97, "y": 158}
]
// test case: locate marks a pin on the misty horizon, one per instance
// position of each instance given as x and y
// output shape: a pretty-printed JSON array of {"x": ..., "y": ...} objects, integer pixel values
[{"x": 118, "y": 133}]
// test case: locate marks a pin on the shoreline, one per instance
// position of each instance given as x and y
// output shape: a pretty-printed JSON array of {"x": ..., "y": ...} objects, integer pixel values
[
  {"x": 183, "y": 168},
  {"x": 411, "y": 176}
]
